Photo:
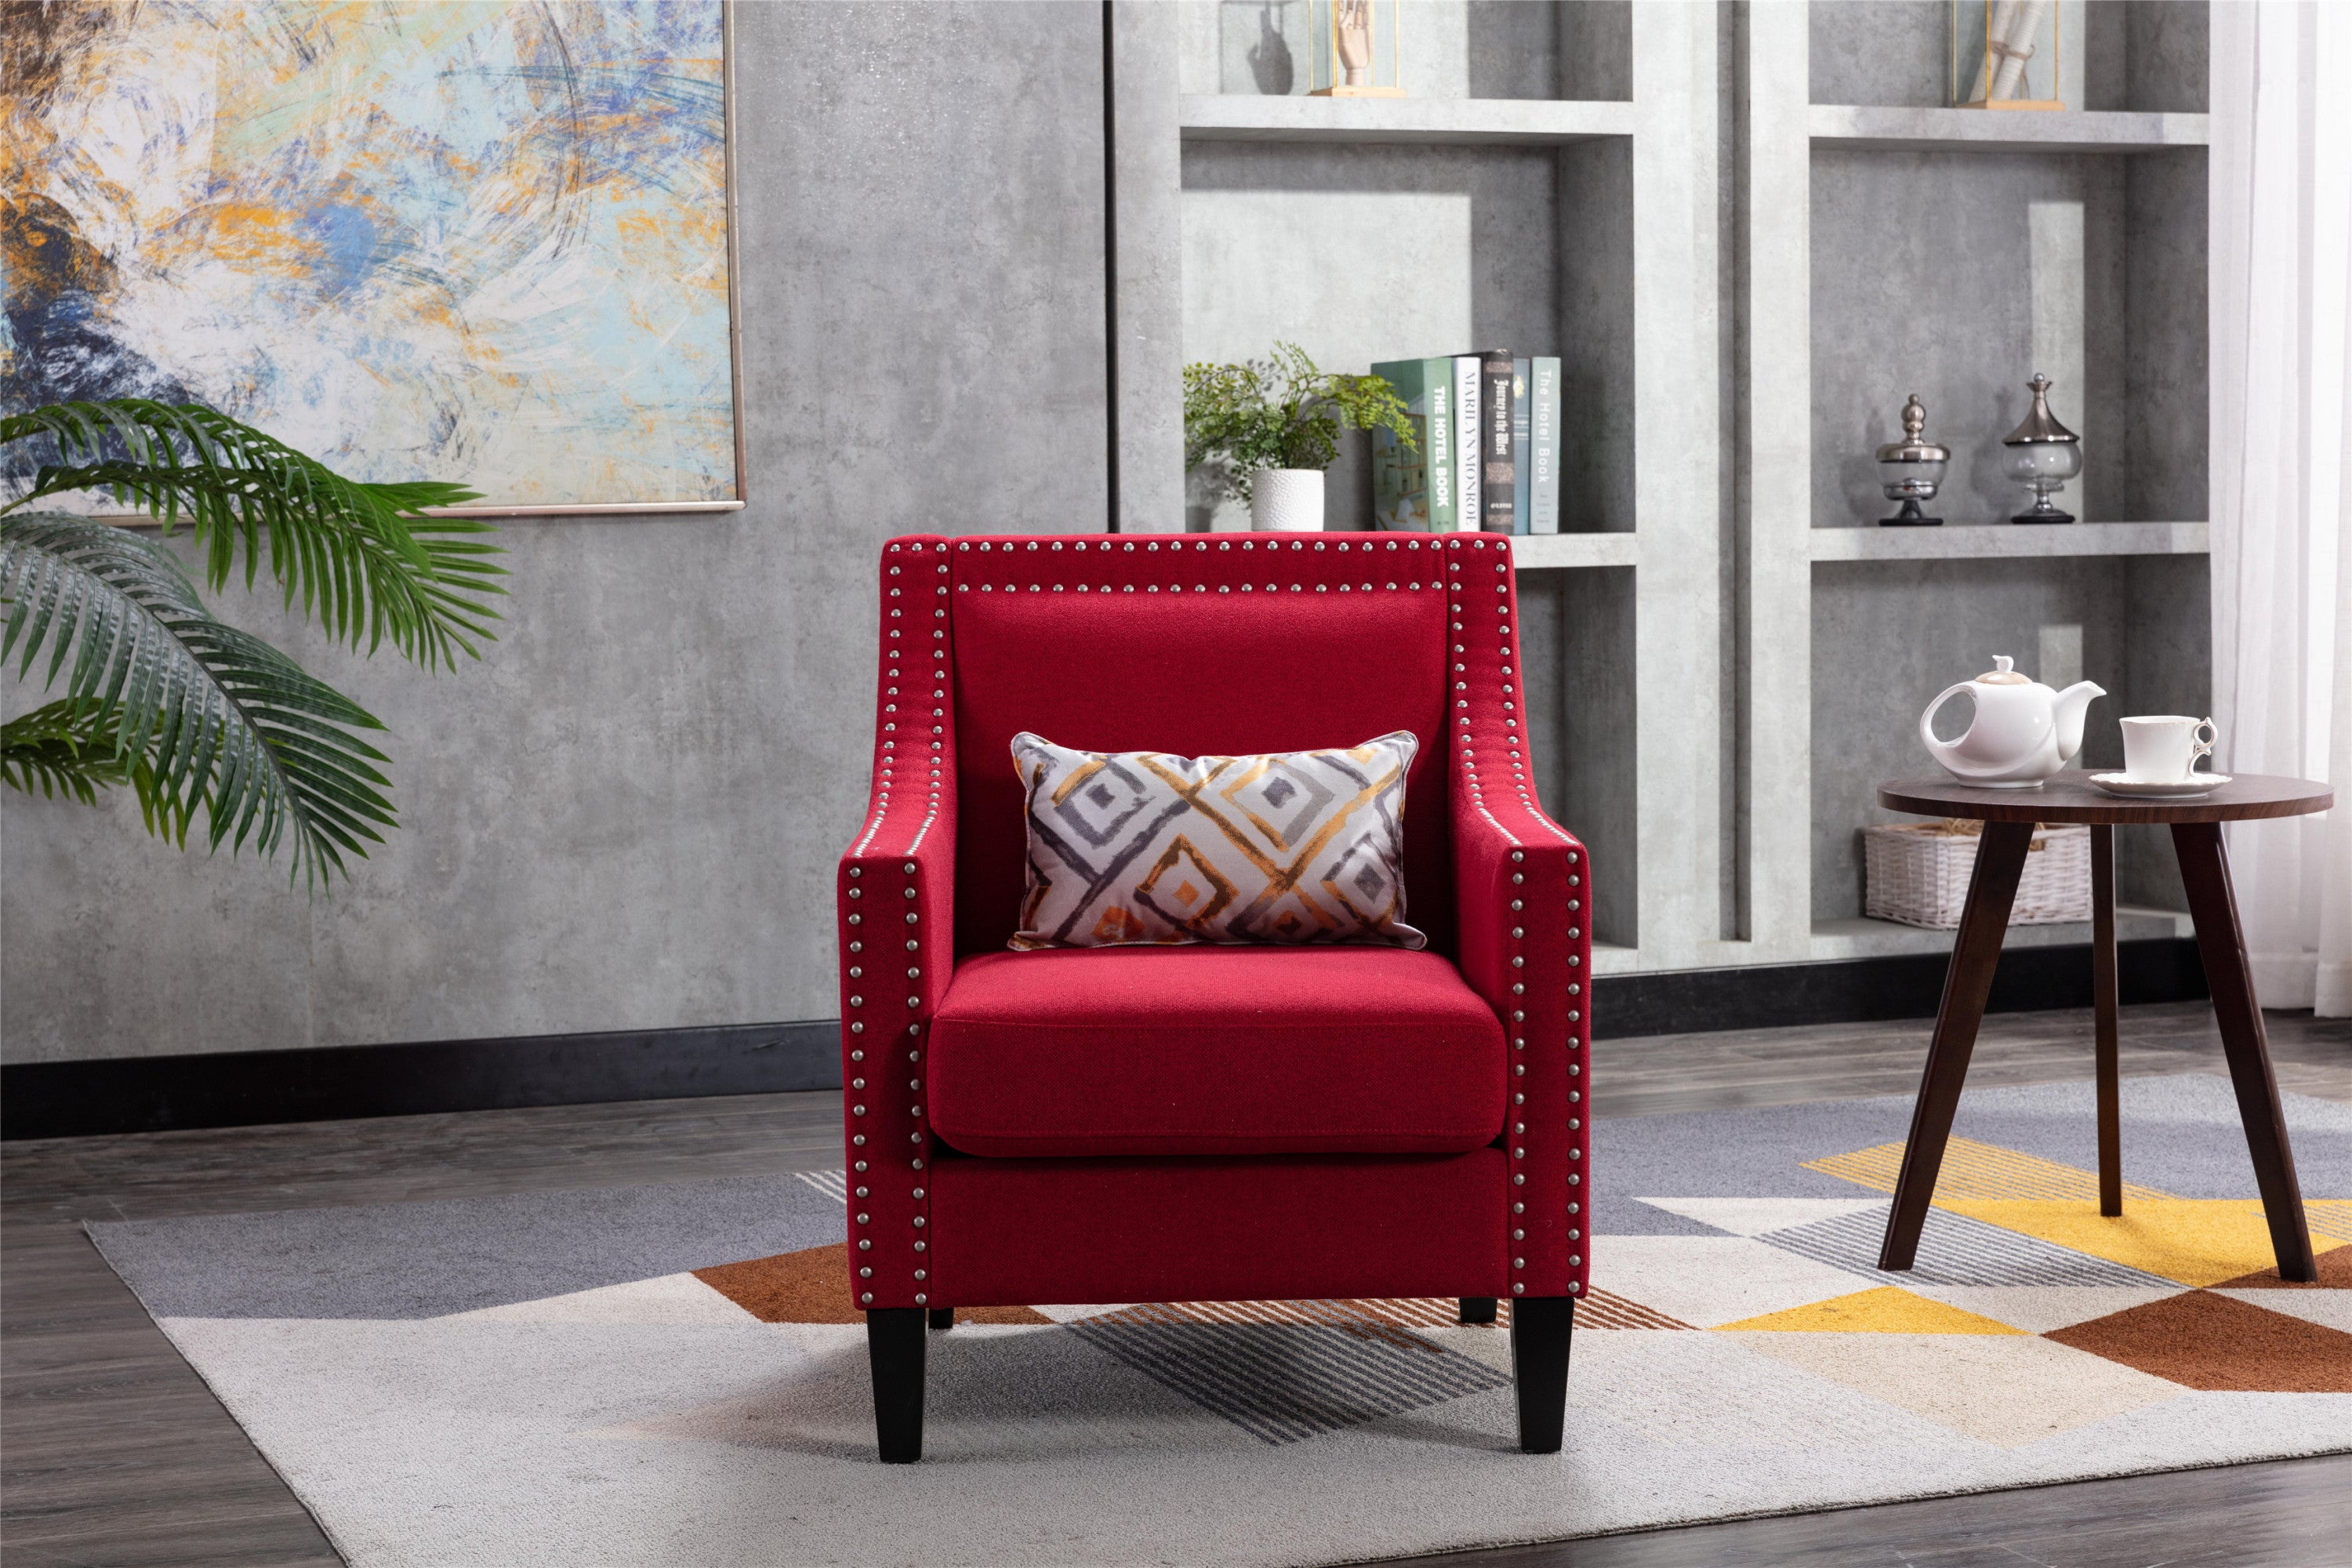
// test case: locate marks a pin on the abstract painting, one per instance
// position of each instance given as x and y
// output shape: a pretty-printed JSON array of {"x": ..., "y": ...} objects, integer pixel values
[{"x": 485, "y": 243}]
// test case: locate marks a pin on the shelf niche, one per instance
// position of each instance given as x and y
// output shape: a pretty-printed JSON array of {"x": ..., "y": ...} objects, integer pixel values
[
  {"x": 1889, "y": 635},
  {"x": 1366, "y": 253},
  {"x": 2119, "y": 54},
  {"x": 1450, "y": 48},
  {"x": 1956, "y": 276}
]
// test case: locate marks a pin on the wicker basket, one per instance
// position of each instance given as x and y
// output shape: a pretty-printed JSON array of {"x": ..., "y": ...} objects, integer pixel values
[{"x": 1917, "y": 873}]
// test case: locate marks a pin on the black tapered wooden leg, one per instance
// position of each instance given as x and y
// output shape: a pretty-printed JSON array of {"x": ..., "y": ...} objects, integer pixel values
[
  {"x": 2221, "y": 943},
  {"x": 2103, "y": 1014},
  {"x": 1540, "y": 1326},
  {"x": 894, "y": 1347},
  {"x": 943, "y": 1317},
  {"x": 1976, "y": 952},
  {"x": 1477, "y": 1309}
]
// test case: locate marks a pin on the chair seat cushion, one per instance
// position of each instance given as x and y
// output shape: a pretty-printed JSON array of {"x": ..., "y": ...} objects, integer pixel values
[{"x": 1214, "y": 1050}]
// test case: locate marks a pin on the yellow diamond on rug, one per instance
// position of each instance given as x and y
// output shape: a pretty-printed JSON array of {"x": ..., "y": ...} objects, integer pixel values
[
  {"x": 1974, "y": 1170},
  {"x": 1884, "y": 1310},
  {"x": 2196, "y": 1241}
]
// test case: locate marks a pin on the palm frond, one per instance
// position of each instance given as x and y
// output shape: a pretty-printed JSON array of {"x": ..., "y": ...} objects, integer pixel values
[
  {"x": 72, "y": 748},
  {"x": 216, "y": 716},
  {"x": 359, "y": 557}
]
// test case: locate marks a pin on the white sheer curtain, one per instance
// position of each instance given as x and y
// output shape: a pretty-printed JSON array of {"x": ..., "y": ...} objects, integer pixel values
[{"x": 2280, "y": 217}]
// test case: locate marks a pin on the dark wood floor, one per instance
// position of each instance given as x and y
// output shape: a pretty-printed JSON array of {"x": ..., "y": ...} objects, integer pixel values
[{"x": 115, "y": 1453}]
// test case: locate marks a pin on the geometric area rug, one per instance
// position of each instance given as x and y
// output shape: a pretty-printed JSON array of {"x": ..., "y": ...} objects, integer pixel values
[{"x": 672, "y": 1374}]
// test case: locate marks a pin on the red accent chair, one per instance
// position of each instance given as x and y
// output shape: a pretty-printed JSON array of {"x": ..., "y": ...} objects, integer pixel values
[{"x": 1209, "y": 1123}]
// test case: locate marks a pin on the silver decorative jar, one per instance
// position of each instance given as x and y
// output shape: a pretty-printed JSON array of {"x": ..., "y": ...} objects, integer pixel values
[
  {"x": 2042, "y": 454},
  {"x": 1911, "y": 471}
]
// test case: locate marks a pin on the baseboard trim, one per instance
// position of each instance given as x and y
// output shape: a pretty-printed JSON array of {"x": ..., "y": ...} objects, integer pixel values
[
  {"x": 332, "y": 1083},
  {"x": 242, "y": 1089},
  {"x": 1869, "y": 990}
]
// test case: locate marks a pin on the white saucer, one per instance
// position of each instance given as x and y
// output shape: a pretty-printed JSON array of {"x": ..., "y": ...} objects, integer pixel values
[{"x": 2131, "y": 788}]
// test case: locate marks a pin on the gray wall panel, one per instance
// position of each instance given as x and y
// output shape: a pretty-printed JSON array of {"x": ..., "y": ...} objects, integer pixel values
[
  {"x": 626, "y": 817},
  {"x": 1599, "y": 778},
  {"x": 1596, "y": 338},
  {"x": 2168, "y": 653},
  {"x": 1889, "y": 51},
  {"x": 1596, "y": 49},
  {"x": 2165, "y": 460},
  {"x": 2167, "y": 43}
]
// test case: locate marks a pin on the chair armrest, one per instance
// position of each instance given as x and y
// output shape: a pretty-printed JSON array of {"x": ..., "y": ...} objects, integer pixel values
[
  {"x": 895, "y": 896},
  {"x": 1523, "y": 893}
]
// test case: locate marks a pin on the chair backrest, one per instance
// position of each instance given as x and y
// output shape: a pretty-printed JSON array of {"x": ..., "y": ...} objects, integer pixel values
[{"x": 1216, "y": 644}]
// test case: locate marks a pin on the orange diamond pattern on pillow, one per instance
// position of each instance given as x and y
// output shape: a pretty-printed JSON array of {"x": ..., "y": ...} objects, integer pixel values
[{"x": 1142, "y": 847}]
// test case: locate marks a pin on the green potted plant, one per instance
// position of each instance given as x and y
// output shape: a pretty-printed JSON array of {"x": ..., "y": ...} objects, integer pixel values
[
  {"x": 188, "y": 711},
  {"x": 1274, "y": 427}
]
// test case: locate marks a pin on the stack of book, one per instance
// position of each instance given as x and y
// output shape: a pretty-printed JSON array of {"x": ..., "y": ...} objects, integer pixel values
[{"x": 1485, "y": 454}]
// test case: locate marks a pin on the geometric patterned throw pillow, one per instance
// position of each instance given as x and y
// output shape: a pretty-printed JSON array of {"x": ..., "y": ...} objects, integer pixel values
[{"x": 1141, "y": 846}]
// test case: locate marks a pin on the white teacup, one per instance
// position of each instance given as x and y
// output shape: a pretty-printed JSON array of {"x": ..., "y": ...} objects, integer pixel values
[{"x": 2164, "y": 747}]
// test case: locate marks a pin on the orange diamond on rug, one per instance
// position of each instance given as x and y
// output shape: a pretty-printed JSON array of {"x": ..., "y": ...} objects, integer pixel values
[
  {"x": 2203, "y": 1341},
  {"x": 812, "y": 1286},
  {"x": 2335, "y": 1273}
]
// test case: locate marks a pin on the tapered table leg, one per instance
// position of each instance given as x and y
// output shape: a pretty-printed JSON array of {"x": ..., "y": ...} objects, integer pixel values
[
  {"x": 1992, "y": 888},
  {"x": 2221, "y": 943},
  {"x": 2102, "y": 1011}
]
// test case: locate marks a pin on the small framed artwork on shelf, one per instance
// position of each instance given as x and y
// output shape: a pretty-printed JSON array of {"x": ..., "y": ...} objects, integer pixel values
[
  {"x": 1354, "y": 49},
  {"x": 2008, "y": 54}
]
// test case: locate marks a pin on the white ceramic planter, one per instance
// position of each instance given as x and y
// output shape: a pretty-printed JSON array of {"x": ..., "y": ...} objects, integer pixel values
[{"x": 1286, "y": 500}]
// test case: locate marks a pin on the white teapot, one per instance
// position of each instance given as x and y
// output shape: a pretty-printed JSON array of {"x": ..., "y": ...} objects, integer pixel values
[{"x": 2023, "y": 733}]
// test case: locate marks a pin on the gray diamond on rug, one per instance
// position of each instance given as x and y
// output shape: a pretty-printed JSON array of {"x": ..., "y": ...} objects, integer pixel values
[
  {"x": 1285, "y": 1381},
  {"x": 1954, "y": 1250}
]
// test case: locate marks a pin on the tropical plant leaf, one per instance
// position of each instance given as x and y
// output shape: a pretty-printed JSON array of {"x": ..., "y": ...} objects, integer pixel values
[
  {"x": 215, "y": 716},
  {"x": 359, "y": 557},
  {"x": 71, "y": 748}
]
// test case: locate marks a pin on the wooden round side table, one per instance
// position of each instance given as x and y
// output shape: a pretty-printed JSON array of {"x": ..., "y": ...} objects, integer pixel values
[{"x": 2009, "y": 816}]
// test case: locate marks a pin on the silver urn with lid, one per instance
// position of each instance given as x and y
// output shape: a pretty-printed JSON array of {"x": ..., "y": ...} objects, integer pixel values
[{"x": 1912, "y": 469}]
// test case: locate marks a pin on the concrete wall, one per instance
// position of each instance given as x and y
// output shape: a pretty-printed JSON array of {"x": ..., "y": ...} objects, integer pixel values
[{"x": 627, "y": 815}]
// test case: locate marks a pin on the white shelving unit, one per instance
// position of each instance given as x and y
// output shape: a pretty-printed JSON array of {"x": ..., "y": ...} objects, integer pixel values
[
  {"x": 1977, "y": 130},
  {"x": 1860, "y": 614},
  {"x": 1583, "y": 223},
  {"x": 1677, "y": 279},
  {"x": 2009, "y": 541},
  {"x": 1551, "y": 552},
  {"x": 1401, "y": 121},
  {"x": 1859, "y": 938}
]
